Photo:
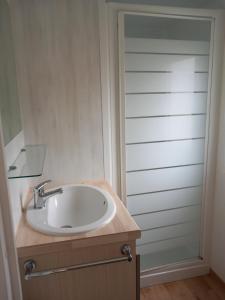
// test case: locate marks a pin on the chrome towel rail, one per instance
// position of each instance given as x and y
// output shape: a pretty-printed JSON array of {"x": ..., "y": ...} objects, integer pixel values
[{"x": 31, "y": 265}]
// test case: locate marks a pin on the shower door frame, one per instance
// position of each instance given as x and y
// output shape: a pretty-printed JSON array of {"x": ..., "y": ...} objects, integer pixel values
[{"x": 115, "y": 17}]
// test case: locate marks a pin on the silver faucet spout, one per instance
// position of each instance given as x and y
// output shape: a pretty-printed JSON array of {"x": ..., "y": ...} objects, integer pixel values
[
  {"x": 40, "y": 196},
  {"x": 52, "y": 193}
]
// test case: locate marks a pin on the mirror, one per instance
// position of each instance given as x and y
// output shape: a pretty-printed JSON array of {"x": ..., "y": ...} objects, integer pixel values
[{"x": 9, "y": 103}]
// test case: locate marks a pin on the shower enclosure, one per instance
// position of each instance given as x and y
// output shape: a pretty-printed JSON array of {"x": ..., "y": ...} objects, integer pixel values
[
  {"x": 167, "y": 111},
  {"x": 166, "y": 72}
]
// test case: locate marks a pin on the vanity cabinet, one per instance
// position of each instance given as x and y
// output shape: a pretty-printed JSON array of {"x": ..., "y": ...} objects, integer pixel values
[
  {"x": 98, "y": 274},
  {"x": 85, "y": 266}
]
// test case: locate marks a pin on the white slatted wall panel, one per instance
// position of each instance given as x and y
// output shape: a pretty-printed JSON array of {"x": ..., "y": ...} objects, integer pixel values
[
  {"x": 167, "y": 218},
  {"x": 140, "y": 45},
  {"x": 166, "y": 84},
  {"x": 140, "y": 204},
  {"x": 169, "y": 232},
  {"x": 166, "y": 154},
  {"x": 190, "y": 241},
  {"x": 143, "y": 82},
  {"x": 144, "y": 105},
  {"x": 166, "y": 63},
  {"x": 163, "y": 179},
  {"x": 143, "y": 130}
]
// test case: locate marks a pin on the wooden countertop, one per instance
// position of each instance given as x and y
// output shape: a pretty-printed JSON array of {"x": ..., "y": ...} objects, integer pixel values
[{"x": 121, "y": 229}]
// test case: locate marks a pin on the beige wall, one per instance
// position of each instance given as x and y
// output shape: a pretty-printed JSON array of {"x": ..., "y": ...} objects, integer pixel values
[
  {"x": 218, "y": 236},
  {"x": 57, "y": 49}
]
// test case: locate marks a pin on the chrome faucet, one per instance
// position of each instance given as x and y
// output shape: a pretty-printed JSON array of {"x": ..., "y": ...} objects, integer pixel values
[{"x": 40, "y": 196}]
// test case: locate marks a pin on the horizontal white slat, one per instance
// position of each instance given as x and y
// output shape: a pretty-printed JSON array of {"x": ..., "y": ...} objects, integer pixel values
[
  {"x": 167, "y": 154},
  {"x": 169, "y": 256},
  {"x": 143, "y": 105},
  {"x": 163, "y": 233},
  {"x": 140, "y": 204},
  {"x": 164, "y": 179},
  {"x": 169, "y": 217},
  {"x": 166, "y": 82},
  {"x": 166, "y": 46},
  {"x": 165, "y": 128},
  {"x": 155, "y": 62},
  {"x": 190, "y": 242}
]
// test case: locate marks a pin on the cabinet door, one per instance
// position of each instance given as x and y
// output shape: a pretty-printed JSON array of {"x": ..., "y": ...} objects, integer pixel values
[
  {"x": 116, "y": 281},
  {"x": 111, "y": 281}
]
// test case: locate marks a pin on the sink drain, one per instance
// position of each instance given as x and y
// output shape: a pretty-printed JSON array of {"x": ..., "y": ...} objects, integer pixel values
[{"x": 66, "y": 226}]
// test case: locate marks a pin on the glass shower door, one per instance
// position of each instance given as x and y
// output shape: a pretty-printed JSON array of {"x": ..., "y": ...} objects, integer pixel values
[{"x": 166, "y": 67}]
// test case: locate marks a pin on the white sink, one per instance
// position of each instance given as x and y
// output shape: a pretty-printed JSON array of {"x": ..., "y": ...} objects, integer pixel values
[{"x": 80, "y": 208}]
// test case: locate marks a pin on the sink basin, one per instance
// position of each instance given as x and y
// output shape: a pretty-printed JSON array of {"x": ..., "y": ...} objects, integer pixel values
[{"x": 80, "y": 208}]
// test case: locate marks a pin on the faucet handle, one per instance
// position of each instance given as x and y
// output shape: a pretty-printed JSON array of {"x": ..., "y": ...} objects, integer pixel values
[{"x": 41, "y": 185}]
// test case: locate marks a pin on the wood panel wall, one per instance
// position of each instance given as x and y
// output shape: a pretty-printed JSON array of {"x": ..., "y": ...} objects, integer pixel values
[{"x": 57, "y": 46}]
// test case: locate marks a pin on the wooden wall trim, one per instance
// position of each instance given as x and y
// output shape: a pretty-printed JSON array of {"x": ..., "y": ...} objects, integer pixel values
[{"x": 105, "y": 89}]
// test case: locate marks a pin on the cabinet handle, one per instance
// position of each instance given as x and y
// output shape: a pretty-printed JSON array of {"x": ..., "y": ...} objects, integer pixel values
[
  {"x": 126, "y": 250},
  {"x": 30, "y": 265}
]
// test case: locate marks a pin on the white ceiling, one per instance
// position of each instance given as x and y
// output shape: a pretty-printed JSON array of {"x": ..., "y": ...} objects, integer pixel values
[{"x": 217, "y": 4}]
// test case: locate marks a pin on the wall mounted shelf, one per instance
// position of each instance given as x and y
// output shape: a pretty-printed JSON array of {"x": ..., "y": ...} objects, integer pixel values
[{"x": 29, "y": 162}]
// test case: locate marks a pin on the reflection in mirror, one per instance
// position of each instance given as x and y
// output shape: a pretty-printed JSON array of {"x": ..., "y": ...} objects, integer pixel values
[{"x": 9, "y": 104}]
